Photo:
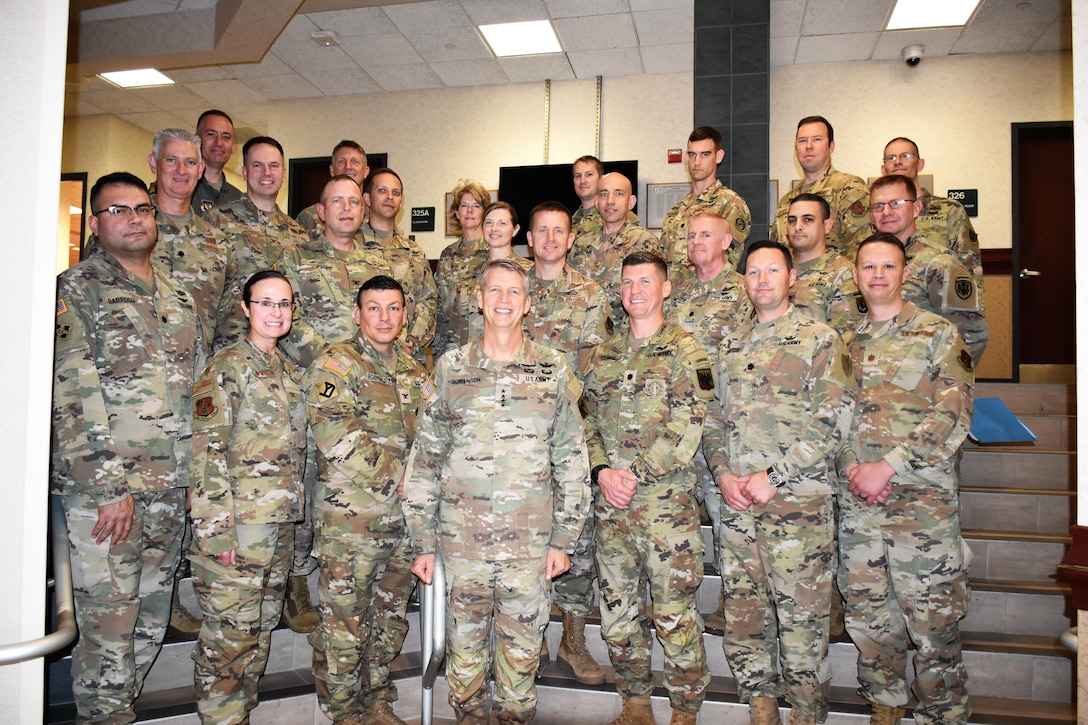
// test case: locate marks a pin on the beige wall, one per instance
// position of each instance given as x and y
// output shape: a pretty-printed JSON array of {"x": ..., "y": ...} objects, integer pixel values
[
  {"x": 103, "y": 144},
  {"x": 957, "y": 108}
]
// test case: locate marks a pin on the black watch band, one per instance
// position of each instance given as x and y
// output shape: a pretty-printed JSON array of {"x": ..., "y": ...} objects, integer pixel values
[{"x": 595, "y": 474}]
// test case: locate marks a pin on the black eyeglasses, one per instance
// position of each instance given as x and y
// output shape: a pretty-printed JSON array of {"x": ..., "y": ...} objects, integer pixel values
[{"x": 119, "y": 210}]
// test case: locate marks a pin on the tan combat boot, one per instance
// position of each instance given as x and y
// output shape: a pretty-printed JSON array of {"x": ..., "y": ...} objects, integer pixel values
[
  {"x": 380, "y": 712},
  {"x": 763, "y": 711},
  {"x": 298, "y": 611},
  {"x": 636, "y": 711},
  {"x": 181, "y": 621},
  {"x": 886, "y": 715},
  {"x": 837, "y": 622},
  {"x": 715, "y": 623},
  {"x": 573, "y": 655},
  {"x": 797, "y": 718},
  {"x": 683, "y": 717},
  {"x": 545, "y": 656}
]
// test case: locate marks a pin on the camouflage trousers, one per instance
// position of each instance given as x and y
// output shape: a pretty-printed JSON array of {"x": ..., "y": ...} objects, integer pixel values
[
  {"x": 122, "y": 597},
  {"x": 657, "y": 539},
  {"x": 574, "y": 591},
  {"x": 903, "y": 572},
  {"x": 241, "y": 605},
  {"x": 495, "y": 620},
  {"x": 777, "y": 566},
  {"x": 708, "y": 493},
  {"x": 363, "y": 591},
  {"x": 303, "y": 562}
]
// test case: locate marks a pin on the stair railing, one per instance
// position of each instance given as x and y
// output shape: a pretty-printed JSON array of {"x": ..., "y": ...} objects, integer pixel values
[{"x": 432, "y": 614}]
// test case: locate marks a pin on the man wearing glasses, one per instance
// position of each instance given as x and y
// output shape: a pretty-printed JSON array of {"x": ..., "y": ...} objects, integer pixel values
[
  {"x": 938, "y": 282},
  {"x": 127, "y": 350}
]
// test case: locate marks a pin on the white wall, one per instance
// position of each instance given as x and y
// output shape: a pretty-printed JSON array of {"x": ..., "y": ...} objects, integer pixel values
[{"x": 957, "y": 108}]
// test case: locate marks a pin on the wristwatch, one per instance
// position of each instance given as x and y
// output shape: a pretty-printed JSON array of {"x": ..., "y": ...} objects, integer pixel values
[{"x": 775, "y": 478}]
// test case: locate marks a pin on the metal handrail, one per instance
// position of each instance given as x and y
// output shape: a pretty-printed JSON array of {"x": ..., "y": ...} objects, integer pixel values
[
  {"x": 65, "y": 633},
  {"x": 432, "y": 615}
]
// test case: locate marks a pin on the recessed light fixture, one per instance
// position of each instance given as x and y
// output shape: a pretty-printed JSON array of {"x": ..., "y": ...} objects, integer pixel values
[
  {"x": 533, "y": 37},
  {"x": 931, "y": 13},
  {"x": 141, "y": 78},
  {"x": 325, "y": 38}
]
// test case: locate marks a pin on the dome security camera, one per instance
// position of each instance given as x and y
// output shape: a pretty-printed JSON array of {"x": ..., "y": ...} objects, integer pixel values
[{"x": 913, "y": 54}]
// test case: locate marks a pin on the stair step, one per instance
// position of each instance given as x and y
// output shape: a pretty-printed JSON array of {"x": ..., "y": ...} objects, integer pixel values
[
  {"x": 1032, "y": 399},
  {"x": 1010, "y": 555},
  {"x": 1022, "y": 510},
  {"x": 1021, "y": 586},
  {"x": 1027, "y": 469},
  {"x": 1024, "y": 536}
]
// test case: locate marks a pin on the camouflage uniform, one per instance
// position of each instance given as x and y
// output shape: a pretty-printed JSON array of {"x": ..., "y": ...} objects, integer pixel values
[
  {"x": 644, "y": 413},
  {"x": 904, "y": 563},
  {"x": 940, "y": 284},
  {"x": 259, "y": 237},
  {"x": 125, "y": 357},
  {"x": 497, "y": 475},
  {"x": 600, "y": 257},
  {"x": 570, "y": 314},
  {"x": 785, "y": 399},
  {"x": 848, "y": 196},
  {"x": 309, "y": 220},
  {"x": 207, "y": 198},
  {"x": 249, "y": 453},
  {"x": 718, "y": 199},
  {"x": 458, "y": 280},
  {"x": 200, "y": 259},
  {"x": 945, "y": 222},
  {"x": 362, "y": 409},
  {"x": 825, "y": 291},
  {"x": 407, "y": 264},
  {"x": 709, "y": 311}
]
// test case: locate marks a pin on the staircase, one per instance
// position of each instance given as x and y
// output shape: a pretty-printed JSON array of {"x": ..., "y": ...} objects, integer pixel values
[{"x": 1017, "y": 504}]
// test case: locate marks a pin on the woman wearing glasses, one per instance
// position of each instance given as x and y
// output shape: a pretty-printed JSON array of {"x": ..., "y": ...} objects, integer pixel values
[{"x": 249, "y": 446}]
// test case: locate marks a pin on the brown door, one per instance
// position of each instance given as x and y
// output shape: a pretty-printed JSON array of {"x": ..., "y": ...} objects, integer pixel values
[{"x": 1043, "y": 244}]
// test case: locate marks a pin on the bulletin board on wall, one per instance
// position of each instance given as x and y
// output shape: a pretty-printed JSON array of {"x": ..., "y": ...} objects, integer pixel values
[{"x": 660, "y": 198}]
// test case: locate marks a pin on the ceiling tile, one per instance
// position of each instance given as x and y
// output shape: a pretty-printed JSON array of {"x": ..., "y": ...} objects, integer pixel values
[
  {"x": 189, "y": 75},
  {"x": 835, "y": 48},
  {"x": 665, "y": 27},
  {"x": 298, "y": 29},
  {"x": 842, "y": 17},
  {"x": 531, "y": 68},
  {"x": 786, "y": 16},
  {"x": 415, "y": 17},
  {"x": 639, "y": 5},
  {"x": 597, "y": 32},
  {"x": 678, "y": 58},
  {"x": 119, "y": 101},
  {"x": 938, "y": 41},
  {"x": 311, "y": 57},
  {"x": 783, "y": 50},
  {"x": 484, "y": 12},
  {"x": 132, "y": 8},
  {"x": 1007, "y": 26},
  {"x": 226, "y": 94},
  {"x": 1059, "y": 36},
  {"x": 342, "y": 82},
  {"x": 449, "y": 44},
  {"x": 157, "y": 121},
  {"x": 270, "y": 65},
  {"x": 406, "y": 77},
  {"x": 197, "y": 4},
  {"x": 470, "y": 73},
  {"x": 375, "y": 51},
  {"x": 170, "y": 98},
  {"x": 581, "y": 8},
  {"x": 350, "y": 23},
  {"x": 614, "y": 62},
  {"x": 280, "y": 87}
]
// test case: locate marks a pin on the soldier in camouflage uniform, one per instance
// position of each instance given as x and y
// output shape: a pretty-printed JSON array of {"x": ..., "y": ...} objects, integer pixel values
[
  {"x": 903, "y": 557},
  {"x": 938, "y": 282},
  {"x": 216, "y": 132},
  {"x": 598, "y": 252},
  {"x": 943, "y": 222},
  {"x": 128, "y": 345},
  {"x": 709, "y": 304},
  {"x": 785, "y": 399},
  {"x": 459, "y": 266},
  {"x": 497, "y": 482},
  {"x": 847, "y": 195},
  {"x": 363, "y": 396},
  {"x": 405, "y": 261},
  {"x": 259, "y": 230},
  {"x": 586, "y": 220},
  {"x": 249, "y": 452},
  {"x": 646, "y": 397},
  {"x": 500, "y": 225},
  {"x": 825, "y": 289},
  {"x": 348, "y": 159},
  {"x": 708, "y": 194},
  {"x": 570, "y": 314}
]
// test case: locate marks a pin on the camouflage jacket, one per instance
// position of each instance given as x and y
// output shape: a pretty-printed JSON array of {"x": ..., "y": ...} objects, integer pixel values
[
  {"x": 600, "y": 258},
  {"x": 259, "y": 237},
  {"x": 914, "y": 404},
  {"x": 125, "y": 356},
  {"x": 645, "y": 407},
  {"x": 406, "y": 263},
  {"x": 848, "y": 196},
  {"x": 249, "y": 445},
  {"x": 709, "y": 310},
  {"x": 570, "y": 314},
  {"x": 206, "y": 198},
  {"x": 498, "y": 469},
  {"x": 362, "y": 413},
  {"x": 785, "y": 399},
  {"x": 825, "y": 291},
  {"x": 717, "y": 199},
  {"x": 944, "y": 222}
]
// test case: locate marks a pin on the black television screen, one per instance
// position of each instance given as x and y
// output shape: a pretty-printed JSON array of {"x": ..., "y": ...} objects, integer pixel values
[{"x": 526, "y": 186}]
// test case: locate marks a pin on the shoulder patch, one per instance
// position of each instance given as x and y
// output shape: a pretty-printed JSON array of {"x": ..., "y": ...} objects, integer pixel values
[
  {"x": 847, "y": 364},
  {"x": 858, "y": 208},
  {"x": 706, "y": 378},
  {"x": 61, "y": 307},
  {"x": 965, "y": 361},
  {"x": 326, "y": 389},
  {"x": 965, "y": 287},
  {"x": 859, "y": 301},
  {"x": 337, "y": 366},
  {"x": 203, "y": 407},
  {"x": 426, "y": 387},
  {"x": 740, "y": 224}
]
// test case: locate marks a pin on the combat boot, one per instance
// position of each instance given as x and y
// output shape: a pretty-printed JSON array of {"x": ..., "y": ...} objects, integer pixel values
[
  {"x": 715, "y": 623},
  {"x": 181, "y": 621},
  {"x": 636, "y": 711},
  {"x": 573, "y": 655},
  {"x": 298, "y": 611},
  {"x": 886, "y": 715},
  {"x": 380, "y": 712},
  {"x": 837, "y": 623},
  {"x": 763, "y": 711},
  {"x": 797, "y": 718},
  {"x": 351, "y": 720},
  {"x": 683, "y": 717},
  {"x": 545, "y": 656}
]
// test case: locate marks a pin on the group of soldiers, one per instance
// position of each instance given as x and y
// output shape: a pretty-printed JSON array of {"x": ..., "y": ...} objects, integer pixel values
[{"x": 271, "y": 376}]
